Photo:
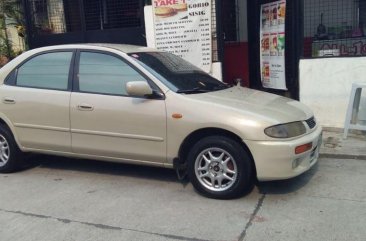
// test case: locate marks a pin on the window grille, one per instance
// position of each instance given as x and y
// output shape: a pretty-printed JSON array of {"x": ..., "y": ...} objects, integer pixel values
[
  {"x": 334, "y": 28},
  {"x": 230, "y": 20},
  {"x": 215, "y": 52},
  {"x": 72, "y": 15},
  {"x": 47, "y": 16},
  {"x": 112, "y": 14},
  {"x": 62, "y": 16}
]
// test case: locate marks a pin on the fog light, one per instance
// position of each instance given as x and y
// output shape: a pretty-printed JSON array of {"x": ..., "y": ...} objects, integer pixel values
[
  {"x": 296, "y": 163},
  {"x": 303, "y": 148}
]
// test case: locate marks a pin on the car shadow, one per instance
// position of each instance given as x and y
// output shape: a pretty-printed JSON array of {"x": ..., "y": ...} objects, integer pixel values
[
  {"x": 154, "y": 173},
  {"x": 100, "y": 167},
  {"x": 287, "y": 186}
]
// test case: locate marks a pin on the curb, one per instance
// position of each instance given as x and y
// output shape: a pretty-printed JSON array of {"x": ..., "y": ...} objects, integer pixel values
[{"x": 343, "y": 156}]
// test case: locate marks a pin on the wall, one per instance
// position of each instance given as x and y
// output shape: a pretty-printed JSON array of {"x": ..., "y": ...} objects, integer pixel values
[
  {"x": 325, "y": 86},
  {"x": 236, "y": 63},
  {"x": 17, "y": 42},
  {"x": 56, "y": 16}
]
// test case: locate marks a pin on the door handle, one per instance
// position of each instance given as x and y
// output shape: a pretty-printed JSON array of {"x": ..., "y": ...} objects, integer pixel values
[
  {"x": 7, "y": 100},
  {"x": 85, "y": 107}
]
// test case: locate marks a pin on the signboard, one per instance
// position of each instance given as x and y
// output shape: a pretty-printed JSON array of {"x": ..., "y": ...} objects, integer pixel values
[
  {"x": 272, "y": 39},
  {"x": 341, "y": 47},
  {"x": 183, "y": 27}
]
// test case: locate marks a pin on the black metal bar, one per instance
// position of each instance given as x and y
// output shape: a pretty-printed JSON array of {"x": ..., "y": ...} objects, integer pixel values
[
  {"x": 301, "y": 28},
  {"x": 253, "y": 7},
  {"x": 28, "y": 24},
  {"x": 142, "y": 21},
  {"x": 82, "y": 20}
]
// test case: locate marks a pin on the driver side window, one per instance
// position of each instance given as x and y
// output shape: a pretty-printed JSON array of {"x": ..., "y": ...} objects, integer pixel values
[{"x": 105, "y": 74}]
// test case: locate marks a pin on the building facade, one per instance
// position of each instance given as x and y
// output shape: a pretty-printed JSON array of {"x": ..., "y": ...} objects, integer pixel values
[{"x": 318, "y": 33}]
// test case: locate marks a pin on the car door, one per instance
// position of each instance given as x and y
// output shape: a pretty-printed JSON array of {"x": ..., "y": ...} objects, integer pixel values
[
  {"x": 105, "y": 120},
  {"x": 36, "y": 100}
]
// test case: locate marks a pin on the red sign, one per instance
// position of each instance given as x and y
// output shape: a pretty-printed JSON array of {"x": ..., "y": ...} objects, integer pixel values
[{"x": 347, "y": 47}]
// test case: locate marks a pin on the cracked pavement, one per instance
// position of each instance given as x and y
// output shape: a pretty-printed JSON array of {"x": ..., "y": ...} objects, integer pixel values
[{"x": 67, "y": 199}]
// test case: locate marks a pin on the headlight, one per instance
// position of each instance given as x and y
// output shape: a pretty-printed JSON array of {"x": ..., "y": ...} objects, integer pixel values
[{"x": 286, "y": 130}]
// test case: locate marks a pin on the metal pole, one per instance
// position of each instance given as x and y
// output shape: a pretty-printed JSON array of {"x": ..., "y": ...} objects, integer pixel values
[
  {"x": 28, "y": 24},
  {"x": 220, "y": 34}
]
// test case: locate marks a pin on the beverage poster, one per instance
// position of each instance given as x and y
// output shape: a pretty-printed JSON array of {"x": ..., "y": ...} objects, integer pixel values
[
  {"x": 272, "y": 39},
  {"x": 183, "y": 27}
]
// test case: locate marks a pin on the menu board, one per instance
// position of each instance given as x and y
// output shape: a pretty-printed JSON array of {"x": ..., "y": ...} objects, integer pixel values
[
  {"x": 183, "y": 27},
  {"x": 272, "y": 39}
]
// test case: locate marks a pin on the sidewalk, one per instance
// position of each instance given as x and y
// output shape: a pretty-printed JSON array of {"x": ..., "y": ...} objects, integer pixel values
[{"x": 334, "y": 146}]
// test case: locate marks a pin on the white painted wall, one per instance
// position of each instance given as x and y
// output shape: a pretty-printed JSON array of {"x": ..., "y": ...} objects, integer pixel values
[
  {"x": 325, "y": 86},
  {"x": 149, "y": 26},
  {"x": 16, "y": 41},
  {"x": 56, "y": 16}
]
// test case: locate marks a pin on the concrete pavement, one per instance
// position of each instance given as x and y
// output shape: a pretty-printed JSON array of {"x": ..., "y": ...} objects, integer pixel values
[
  {"x": 334, "y": 146},
  {"x": 68, "y": 199}
]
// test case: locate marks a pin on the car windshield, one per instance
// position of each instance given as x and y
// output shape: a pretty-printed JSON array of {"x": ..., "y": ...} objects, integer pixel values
[{"x": 178, "y": 74}]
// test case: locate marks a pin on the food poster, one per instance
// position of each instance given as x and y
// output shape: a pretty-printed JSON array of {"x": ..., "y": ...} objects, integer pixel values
[
  {"x": 183, "y": 27},
  {"x": 272, "y": 51}
]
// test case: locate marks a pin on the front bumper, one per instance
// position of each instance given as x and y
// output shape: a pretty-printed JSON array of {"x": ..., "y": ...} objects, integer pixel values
[{"x": 276, "y": 160}]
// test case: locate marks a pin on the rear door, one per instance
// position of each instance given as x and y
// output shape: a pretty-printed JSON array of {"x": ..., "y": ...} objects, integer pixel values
[
  {"x": 36, "y": 100},
  {"x": 106, "y": 121}
]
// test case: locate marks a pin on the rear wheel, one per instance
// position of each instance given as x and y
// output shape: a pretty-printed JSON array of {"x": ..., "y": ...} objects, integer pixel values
[
  {"x": 219, "y": 167},
  {"x": 10, "y": 155}
]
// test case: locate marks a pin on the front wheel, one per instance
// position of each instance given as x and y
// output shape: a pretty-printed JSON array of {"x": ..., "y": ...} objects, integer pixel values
[{"x": 219, "y": 167}]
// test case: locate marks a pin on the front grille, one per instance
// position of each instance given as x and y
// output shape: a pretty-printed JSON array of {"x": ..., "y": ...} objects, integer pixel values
[{"x": 311, "y": 122}]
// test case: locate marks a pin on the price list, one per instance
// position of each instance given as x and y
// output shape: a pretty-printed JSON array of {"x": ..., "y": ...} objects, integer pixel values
[{"x": 187, "y": 33}]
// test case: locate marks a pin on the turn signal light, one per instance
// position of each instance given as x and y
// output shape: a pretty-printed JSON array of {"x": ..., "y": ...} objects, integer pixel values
[
  {"x": 177, "y": 116},
  {"x": 303, "y": 148}
]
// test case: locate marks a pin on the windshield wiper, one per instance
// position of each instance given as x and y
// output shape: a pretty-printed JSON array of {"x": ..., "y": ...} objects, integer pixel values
[{"x": 193, "y": 91}]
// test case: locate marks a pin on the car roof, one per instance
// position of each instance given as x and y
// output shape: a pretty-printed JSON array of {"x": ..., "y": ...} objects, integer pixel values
[{"x": 121, "y": 47}]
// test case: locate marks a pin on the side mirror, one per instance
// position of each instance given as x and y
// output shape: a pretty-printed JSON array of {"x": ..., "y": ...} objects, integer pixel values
[{"x": 138, "y": 88}]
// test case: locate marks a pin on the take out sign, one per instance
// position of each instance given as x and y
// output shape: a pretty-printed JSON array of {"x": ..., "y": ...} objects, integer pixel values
[{"x": 160, "y": 3}]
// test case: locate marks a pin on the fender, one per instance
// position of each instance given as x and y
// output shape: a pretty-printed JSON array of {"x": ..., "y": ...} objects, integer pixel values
[{"x": 12, "y": 129}]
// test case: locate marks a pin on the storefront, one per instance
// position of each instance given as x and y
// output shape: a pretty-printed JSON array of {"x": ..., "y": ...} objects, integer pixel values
[
  {"x": 315, "y": 30},
  {"x": 245, "y": 27},
  {"x": 240, "y": 32},
  {"x": 334, "y": 28},
  {"x": 333, "y": 57},
  {"x": 234, "y": 32}
]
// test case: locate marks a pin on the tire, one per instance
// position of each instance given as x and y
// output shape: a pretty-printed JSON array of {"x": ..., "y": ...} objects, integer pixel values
[
  {"x": 220, "y": 168},
  {"x": 10, "y": 154}
]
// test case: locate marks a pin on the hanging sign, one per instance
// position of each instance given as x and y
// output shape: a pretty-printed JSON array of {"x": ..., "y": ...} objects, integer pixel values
[
  {"x": 272, "y": 39},
  {"x": 183, "y": 27}
]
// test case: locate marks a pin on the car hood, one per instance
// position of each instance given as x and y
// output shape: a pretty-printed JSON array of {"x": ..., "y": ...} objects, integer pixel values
[{"x": 273, "y": 108}]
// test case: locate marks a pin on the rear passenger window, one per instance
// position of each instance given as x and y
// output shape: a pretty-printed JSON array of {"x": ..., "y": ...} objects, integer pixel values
[
  {"x": 46, "y": 71},
  {"x": 105, "y": 74}
]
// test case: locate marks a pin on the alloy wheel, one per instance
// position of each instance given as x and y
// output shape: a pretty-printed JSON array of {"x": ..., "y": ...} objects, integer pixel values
[
  {"x": 216, "y": 169},
  {"x": 4, "y": 151}
]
